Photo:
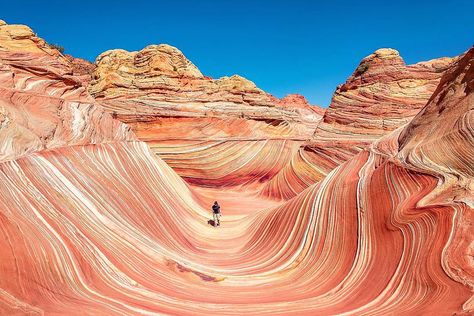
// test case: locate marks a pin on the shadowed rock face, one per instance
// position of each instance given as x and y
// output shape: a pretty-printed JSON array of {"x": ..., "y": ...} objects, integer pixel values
[
  {"x": 81, "y": 69},
  {"x": 93, "y": 223}
]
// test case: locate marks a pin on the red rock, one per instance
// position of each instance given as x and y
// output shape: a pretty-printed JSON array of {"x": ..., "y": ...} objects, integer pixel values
[
  {"x": 439, "y": 139},
  {"x": 43, "y": 105},
  {"x": 381, "y": 95},
  {"x": 183, "y": 115},
  {"x": 81, "y": 69},
  {"x": 299, "y": 101},
  {"x": 92, "y": 223}
]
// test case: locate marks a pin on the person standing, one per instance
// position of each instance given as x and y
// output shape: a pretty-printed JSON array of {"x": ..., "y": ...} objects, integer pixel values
[{"x": 216, "y": 213}]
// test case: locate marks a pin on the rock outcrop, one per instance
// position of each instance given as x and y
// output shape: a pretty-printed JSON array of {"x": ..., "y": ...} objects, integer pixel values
[
  {"x": 446, "y": 147},
  {"x": 81, "y": 69},
  {"x": 213, "y": 132},
  {"x": 159, "y": 81},
  {"x": 42, "y": 104},
  {"x": 381, "y": 95}
]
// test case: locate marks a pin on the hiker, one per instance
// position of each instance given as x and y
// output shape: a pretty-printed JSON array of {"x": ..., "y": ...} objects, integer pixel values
[{"x": 216, "y": 213}]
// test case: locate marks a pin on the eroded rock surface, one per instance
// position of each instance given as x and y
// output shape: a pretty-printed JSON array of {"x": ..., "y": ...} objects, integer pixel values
[
  {"x": 382, "y": 95},
  {"x": 212, "y": 132},
  {"x": 42, "y": 103},
  {"x": 93, "y": 223}
]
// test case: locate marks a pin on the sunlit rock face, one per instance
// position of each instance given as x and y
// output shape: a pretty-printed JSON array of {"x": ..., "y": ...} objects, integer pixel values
[
  {"x": 222, "y": 132},
  {"x": 42, "y": 104},
  {"x": 96, "y": 224},
  {"x": 446, "y": 148},
  {"x": 381, "y": 95}
]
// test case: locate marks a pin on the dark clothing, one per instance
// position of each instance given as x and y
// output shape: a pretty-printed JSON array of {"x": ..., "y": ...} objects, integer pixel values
[{"x": 216, "y": 208}]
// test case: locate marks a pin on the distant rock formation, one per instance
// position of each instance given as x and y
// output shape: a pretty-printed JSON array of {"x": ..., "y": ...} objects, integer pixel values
[
  {"x": 380, "y": 96},
  {"x": 242, "y": 134},
  {"x": 164, "y": 83}
]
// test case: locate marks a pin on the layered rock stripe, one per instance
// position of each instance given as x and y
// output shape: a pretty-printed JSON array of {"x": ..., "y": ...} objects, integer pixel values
[
  {"x": 382, "y": 95},
  {"x": 42, "y": 105},
  {"x": 98, "y": 224},
  {"x": 201, "y": 126},
  {"x": 159, "y": 92}
]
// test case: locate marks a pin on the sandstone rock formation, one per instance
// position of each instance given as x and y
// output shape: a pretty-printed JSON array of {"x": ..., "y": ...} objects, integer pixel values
[
  {"x": 423, "y": 144},
  {"x": 381, "y": 95},
  {"x": 81, "y": 69},
  {"x": 200, "y": 126},
  {"x": 162, "y": 82},
  {"x": 93, "y": 223},
  {"x": 42, "y": 105}
]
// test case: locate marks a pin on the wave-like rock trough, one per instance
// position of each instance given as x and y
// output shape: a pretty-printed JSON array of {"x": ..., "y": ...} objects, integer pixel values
[{"x": 104, "y": 199}]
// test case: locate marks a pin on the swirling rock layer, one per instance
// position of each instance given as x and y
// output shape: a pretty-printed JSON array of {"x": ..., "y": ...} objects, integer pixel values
[
  {"x": 42, "y": 104},
  {"x": 218, "y": 132},
  {"x": 100, "y": 225},
  {"x": 381, "y": 95}
]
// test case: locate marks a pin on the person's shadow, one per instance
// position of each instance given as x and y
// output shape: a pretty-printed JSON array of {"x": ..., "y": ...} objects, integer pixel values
[{"x": 211, "y": 222}]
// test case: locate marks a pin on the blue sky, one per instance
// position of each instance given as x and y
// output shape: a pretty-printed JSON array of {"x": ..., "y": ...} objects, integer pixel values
[{"x": 285, "y": 47}]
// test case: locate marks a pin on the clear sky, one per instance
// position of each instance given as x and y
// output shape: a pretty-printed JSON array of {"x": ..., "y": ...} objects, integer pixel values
[{"x": 305, "y": 47}]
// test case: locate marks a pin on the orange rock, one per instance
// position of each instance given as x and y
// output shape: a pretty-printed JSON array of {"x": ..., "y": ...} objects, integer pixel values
[
  {"x": 93, "y": 223},
  {"x": 42, "y": 103},
  {"x": 183, "y": 115},
  {"x": 381, "y": 95}
]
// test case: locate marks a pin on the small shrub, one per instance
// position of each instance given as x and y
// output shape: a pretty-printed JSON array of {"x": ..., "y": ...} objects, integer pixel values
[
  {"x": 361, "y": 69},
  {"x": 58, "y": 47}
]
